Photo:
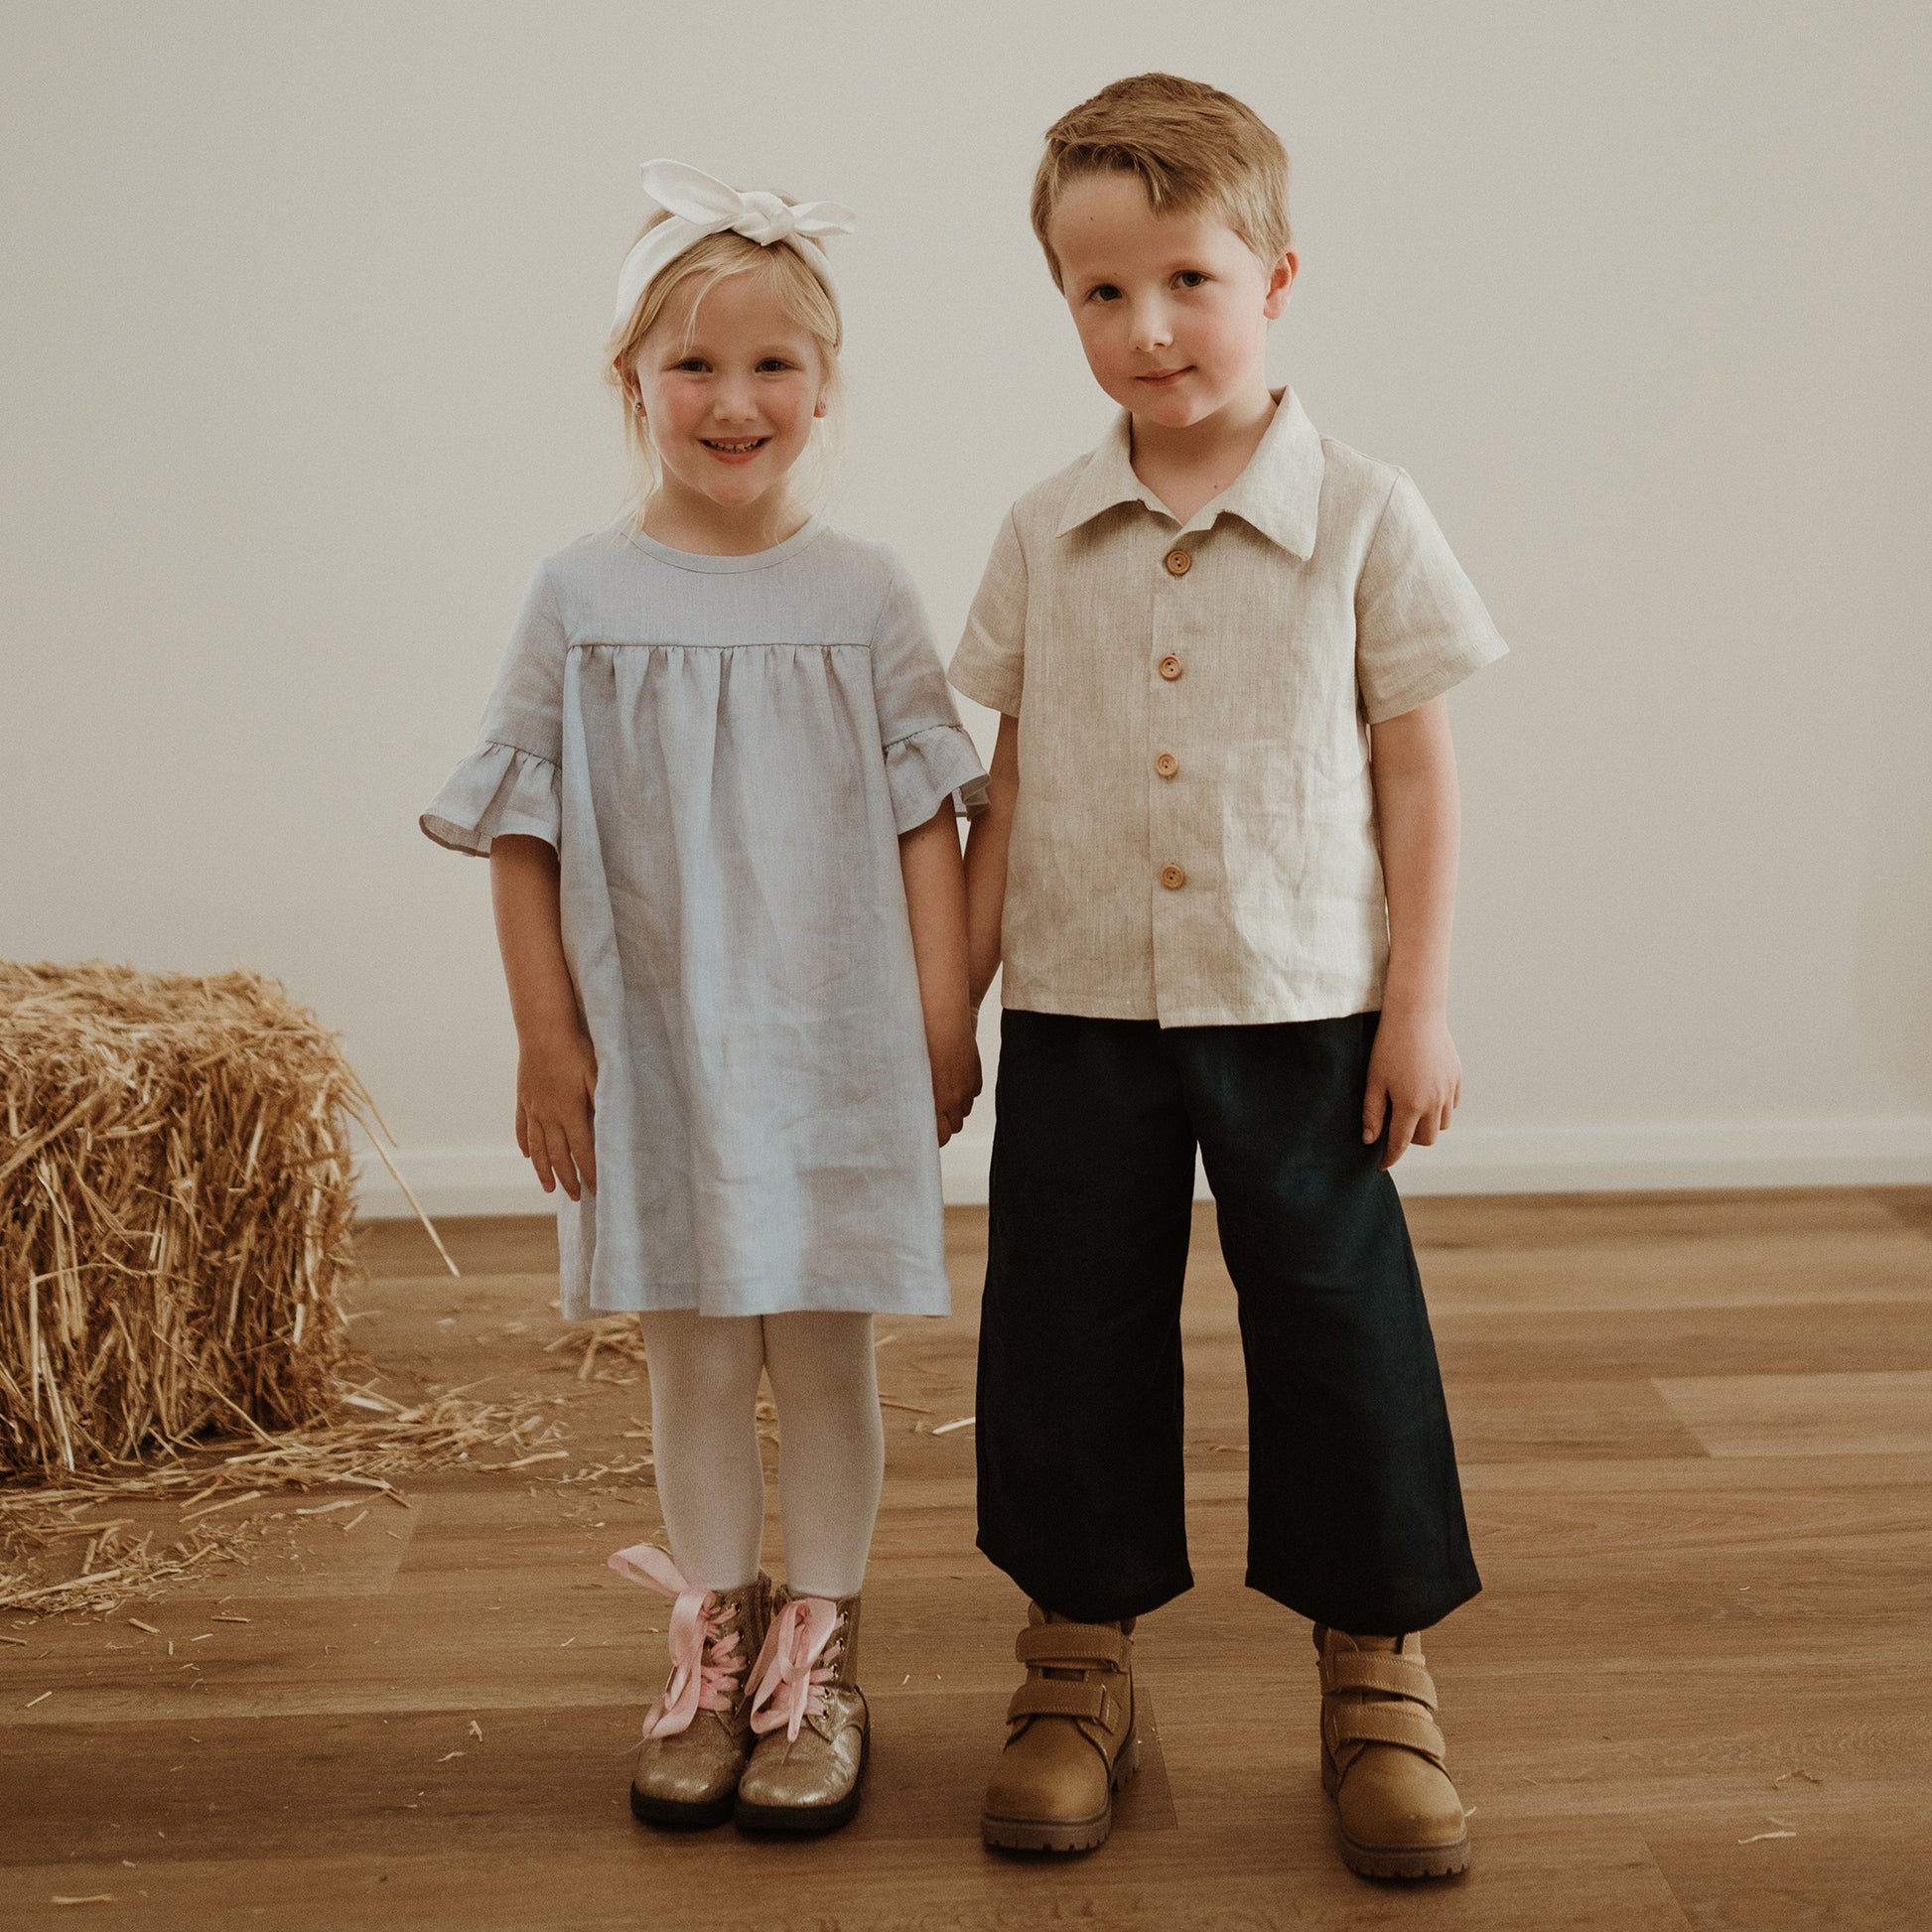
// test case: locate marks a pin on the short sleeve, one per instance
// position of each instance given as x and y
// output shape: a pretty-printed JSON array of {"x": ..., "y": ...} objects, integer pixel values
[
  {"x": 1420, "y": 626},
  {"x": 988, "y": 666},
  {"x": 928, "y": 756},
  {"x": 510, "y": 782}
]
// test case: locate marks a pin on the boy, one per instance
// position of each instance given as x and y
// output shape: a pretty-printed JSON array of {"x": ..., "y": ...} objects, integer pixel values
[{"x": 1221, "y": 928}]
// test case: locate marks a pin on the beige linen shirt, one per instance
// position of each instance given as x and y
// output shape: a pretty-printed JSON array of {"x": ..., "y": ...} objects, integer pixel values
[{"x": 1195, "y": 838}]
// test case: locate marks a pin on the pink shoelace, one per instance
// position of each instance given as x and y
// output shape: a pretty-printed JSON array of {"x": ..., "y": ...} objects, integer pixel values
[
  {"x": 787, "y": 1675},
  {"x": 706, "y": 1661}
]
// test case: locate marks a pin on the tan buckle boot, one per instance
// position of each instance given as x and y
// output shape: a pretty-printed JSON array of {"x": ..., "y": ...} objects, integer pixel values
[
  {"x": 1071, "y": 1741},
  {"x": 814, "y": 1728},
  {"x": 697, "y": 1736},
  {"x": 1382, "y": 1751}
]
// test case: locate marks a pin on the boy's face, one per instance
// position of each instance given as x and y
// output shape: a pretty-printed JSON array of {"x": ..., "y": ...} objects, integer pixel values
[{"x": 1173, "y": 309}]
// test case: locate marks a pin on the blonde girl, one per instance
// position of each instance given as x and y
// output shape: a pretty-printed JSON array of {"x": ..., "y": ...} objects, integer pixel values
[{"x": 717, "y": 784}]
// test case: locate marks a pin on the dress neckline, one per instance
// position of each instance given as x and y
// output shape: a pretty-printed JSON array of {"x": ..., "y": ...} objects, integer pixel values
[{"x": 806, "y": 534}]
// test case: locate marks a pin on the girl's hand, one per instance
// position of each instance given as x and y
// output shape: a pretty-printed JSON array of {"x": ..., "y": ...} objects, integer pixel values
[
  {"x": 556, "y": 1097},
  {"x": 1415, "y": 1083},
  {"x": 954, "y": 1052}
]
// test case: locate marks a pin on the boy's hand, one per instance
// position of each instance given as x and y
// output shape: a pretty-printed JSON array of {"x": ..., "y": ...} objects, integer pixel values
[
  {"x": 1415, "y": 1083},
  {"x": 954, "y": 1052},
  {"x": 556, "y": 1100}
]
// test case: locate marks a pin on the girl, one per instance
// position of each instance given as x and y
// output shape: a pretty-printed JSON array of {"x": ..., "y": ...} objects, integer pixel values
[{"x": 716, "y": 782}]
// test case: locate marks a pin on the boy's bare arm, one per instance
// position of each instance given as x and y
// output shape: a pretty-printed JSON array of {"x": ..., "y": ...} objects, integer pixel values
[
  {"x": 556, "y": 1066},
  {"x": 1415, "y": 1079},
  {"x": 986, "y": 861},
  {"x": 935, "y": 902}
]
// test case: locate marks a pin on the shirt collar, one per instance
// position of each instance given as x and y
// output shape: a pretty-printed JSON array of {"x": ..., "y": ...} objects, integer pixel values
[{"x": 1278, "y": 493}]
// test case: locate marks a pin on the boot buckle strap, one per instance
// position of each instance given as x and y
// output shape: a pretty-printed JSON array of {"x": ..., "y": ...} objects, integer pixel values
[
  {"x": 1383, "y": 1724},
  {"x": 1073, "y": 1646},
  {"x": 1057, "y": 1698},
  {"x": 1377, "y": 1670}
]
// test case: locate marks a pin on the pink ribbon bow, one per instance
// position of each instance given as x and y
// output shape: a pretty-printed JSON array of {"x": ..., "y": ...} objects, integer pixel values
[
  {"x": 704, "y": 1663},
  {"x": 784, "y": 1676}
]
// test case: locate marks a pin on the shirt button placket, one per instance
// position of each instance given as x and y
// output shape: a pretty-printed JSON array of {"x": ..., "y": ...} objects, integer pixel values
[{"x": 1171, "y": 668}]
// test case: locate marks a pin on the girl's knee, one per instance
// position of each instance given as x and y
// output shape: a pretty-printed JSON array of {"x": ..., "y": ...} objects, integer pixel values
[
  {"x": 701, "y": 1356},
  {"x": 816, "y": 1356}
]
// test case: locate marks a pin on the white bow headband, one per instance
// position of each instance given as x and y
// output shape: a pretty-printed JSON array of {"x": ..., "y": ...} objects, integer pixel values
[{"x": 700, "y": 205}]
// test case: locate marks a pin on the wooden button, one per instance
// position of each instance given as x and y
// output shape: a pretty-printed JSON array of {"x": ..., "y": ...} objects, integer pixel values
[
  {"x": 1173, "y": 878},
  {"x": 1179, "y": 562},
  {"x": 1166, "y": 764},
  {"x": 1171, "y": 668}
]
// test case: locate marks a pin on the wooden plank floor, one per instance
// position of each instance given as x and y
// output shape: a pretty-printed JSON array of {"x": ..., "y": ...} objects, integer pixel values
[{"x": 1697, "y": 1440}]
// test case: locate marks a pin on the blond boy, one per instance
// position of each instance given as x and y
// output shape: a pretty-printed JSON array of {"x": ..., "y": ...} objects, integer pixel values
[{"x": 1218, "y": 867}]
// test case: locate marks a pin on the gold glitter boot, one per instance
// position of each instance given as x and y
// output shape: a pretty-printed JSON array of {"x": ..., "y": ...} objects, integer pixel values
[
  {"x": 814, "y": 1729},
  {"x": 698, "y": 1735}
]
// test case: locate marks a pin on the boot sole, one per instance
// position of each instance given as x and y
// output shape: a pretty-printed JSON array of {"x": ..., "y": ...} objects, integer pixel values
[
  {"x": 675, "y": 1815},
  {"x": 807, "y": 1821},
  {"x": 1407, "y": 1861},
  {"x": 1060, "y": 1834}
]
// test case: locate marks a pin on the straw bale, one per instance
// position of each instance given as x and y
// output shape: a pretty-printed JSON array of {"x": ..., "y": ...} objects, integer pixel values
[{"x": 175, "y": 1212}]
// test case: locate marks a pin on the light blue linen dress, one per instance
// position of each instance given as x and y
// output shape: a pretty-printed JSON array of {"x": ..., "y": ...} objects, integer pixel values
[{"x": 724, "y": 752}]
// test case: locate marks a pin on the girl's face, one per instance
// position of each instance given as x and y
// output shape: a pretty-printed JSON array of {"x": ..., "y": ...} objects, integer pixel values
[
  {"x": 1173, "y": 309},
  {"x": 730, "y": 385}
]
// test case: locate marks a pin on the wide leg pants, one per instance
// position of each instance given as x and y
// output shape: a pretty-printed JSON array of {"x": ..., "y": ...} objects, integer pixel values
[{"x": 1354, "y": 1509}]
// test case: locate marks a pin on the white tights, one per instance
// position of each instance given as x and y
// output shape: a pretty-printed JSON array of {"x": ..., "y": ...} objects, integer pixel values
[{"x": 704, "y": 1387}]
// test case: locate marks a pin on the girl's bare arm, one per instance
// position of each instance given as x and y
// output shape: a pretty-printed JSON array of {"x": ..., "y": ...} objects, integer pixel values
[
  {"x": 1414, "y": 1078},
  {"x": 935, "y": 901},
  {"x": 556, "y": 1067}
]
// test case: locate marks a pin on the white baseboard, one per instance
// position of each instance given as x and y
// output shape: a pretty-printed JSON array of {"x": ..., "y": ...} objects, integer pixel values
[
  {"x": 1612, "y": 1157},
  {"x": 1559, "y": 1158}
]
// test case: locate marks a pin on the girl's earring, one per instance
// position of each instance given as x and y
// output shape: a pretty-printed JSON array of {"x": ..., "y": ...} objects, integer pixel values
[{"x": 638, "y": 404}]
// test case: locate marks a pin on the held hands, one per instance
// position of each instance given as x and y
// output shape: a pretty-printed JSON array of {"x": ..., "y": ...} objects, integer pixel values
[
  {"x": 1415, "y": 1083},
  {"x": 556, "y": 1097},
  {"x": 935, "y": 903},
  {"x": 953, "y": 1049}
]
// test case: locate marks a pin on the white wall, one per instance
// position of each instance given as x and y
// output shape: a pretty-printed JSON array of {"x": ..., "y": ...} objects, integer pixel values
[{"x": 299, "y": 351}]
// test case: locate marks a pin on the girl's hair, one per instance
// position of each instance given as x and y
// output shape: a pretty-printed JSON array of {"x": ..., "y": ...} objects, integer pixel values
[
  {"x": 1193, "y": 147},
  {"x": 804, "y": 298}
]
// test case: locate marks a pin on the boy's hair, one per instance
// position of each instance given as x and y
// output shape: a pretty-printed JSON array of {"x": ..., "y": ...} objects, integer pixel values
[
  {"x": 805, "y": 299},
  {"x": 1191, "y": 146}
]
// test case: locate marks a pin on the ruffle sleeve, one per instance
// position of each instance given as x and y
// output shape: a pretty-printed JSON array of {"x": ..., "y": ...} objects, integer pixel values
[
  {"x": 496, "y": 789},
  {"x": 926, "y": 768}
]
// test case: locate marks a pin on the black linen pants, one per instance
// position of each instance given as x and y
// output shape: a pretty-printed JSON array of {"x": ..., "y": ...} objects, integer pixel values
[{"x": 1354, "y": 1510}]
